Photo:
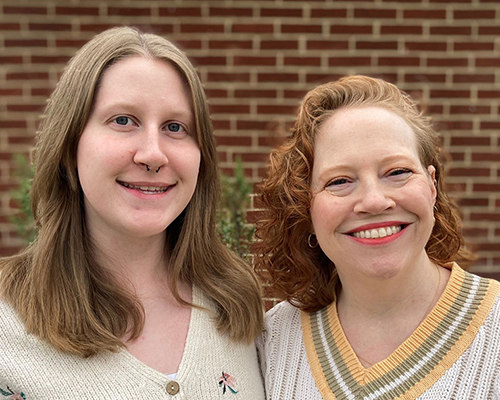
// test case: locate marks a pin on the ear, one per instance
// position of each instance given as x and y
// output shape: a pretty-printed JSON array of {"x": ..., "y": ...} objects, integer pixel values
[{"x": 432, "y": 176}]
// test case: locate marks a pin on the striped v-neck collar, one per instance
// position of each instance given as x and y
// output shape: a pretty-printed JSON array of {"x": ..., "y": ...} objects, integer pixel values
[{"x": 417, "y": 363}]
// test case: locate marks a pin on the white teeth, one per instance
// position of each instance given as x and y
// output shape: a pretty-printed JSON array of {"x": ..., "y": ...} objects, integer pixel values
[
  {"x": 146, "y": 189},
  {"x": 377, "y": 233}
]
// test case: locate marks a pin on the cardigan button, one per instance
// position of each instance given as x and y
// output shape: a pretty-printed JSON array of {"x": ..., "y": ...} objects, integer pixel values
[{"x": 172, "y": 387}]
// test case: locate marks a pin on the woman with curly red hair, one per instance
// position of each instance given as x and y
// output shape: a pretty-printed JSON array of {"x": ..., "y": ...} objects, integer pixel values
[{"x": 360, "y": 238}]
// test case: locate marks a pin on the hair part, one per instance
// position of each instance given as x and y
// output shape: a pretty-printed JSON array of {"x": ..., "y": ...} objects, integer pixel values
[
  {"x": 304, "y": 275},
  {"x": 56, "y": 284}
]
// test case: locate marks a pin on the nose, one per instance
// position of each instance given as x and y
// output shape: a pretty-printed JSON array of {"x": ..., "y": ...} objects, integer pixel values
[
  {"x": 151, "y": 150},
  {"x": 374, "y": 198}
]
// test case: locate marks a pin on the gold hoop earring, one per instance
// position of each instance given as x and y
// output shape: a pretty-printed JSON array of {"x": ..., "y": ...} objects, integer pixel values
[{"x": 309, "y": 241}]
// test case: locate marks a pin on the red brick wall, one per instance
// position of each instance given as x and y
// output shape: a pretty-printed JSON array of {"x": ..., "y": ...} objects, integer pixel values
[{"x": 258, "y": 58}]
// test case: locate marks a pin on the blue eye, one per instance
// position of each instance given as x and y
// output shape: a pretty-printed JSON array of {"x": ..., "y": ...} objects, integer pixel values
[
  {"x": 175, "y": 127},
  {"x": 336, "y": 182},
  {"x": 400, "y": 172},
  {"x": 122, "y": 120}
]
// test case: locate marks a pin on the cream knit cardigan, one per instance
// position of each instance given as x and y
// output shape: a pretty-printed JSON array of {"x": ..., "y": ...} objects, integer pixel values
[{"x": 33, "y": 370}]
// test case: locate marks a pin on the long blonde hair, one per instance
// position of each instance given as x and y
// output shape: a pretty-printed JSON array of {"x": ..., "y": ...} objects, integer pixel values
[{"x": 56, "y": 285}]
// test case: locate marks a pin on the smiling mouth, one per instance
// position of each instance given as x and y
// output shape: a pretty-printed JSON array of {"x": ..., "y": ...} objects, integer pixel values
[
  {"x": 146, "y": 189},
  {"x": 378, "y": 233}
]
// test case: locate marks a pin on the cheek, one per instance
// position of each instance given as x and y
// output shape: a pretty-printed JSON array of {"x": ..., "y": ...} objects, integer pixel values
[{"x": 326, "y": 213}]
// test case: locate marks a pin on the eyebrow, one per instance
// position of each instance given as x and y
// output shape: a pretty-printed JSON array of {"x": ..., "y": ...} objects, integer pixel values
[{"x": 173, "y": 112}]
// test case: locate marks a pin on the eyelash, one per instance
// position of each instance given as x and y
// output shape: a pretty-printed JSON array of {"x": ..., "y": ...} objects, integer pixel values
[
  {"x": 400, "y": 171},
  {"x": 182, "y": 128}
]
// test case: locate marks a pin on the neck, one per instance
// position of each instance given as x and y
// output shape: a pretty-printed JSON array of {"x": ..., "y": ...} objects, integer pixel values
[{"x": 415, "y": 288}]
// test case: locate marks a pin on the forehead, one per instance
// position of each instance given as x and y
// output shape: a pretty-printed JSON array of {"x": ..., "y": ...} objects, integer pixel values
[{"x": 350, "y": 130}]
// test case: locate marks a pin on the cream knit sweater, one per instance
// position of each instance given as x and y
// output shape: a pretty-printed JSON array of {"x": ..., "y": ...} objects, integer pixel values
[
  {"x": 31, "y": 369},
  {"x": 453, "y": 354}
]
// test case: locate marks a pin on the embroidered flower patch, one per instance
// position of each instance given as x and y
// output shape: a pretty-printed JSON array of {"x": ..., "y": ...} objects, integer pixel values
[
  {"x": 226, "y": 381},
  {"x": 10, "y": 395}
]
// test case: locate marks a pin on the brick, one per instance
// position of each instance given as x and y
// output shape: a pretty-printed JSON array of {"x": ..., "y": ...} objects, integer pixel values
[
  {"x": 50, "y": 27},
  {"x": 489, "y": 30},
  {"x": 461, "y": 125},
  {"x": 229, "y": 109},
  {"x": 276, "y": 109},
  {"x": 25, "y": 107},
  {"x": 435, "y": 109},
  {"x": 486, "y": 217},
  {"x": 490, "y": 125},
  {"x": 294, "y": 94},
  {"x": 474, "y": 78},
  {"x": 278, "y": 77},
  {"x": 253, "y": 157},
  {"x": 279, "y": 45},
  {"x": 254, "y": 60},
  {"x": 470, "y": 141},
  {"x": 97, "y": 28},
  {"x": 11, "y": 92},
  {"x": 378, "y": 13},
  {"x": 435, "y": 94},
  {"x": 130, "y": 11},
  {"x": 425, "y": 78},
  {"x": 208, "y": 60},
  {"x": 25, "y": 43},
  {"x": 72, "y": 43},
  {"x": 77, "y": 11},
  {"x": 252, "y": 125},
  {"x": 470, "y": 172},
  {"x": 234, "y": 141},
  {"x": 450, "y": 1},
  {"x": 351, "y": 29},
  {"x": 43, "y": 92},
  {"x": 49, "y": 59},
  {"x": 450, "y": 30},
  {"x": 281, "y": 12},
  {"x": 426, "y": 46},
  {"x": 474, "y": 202},
  {"x": 11, "y": 26},
  {"x": 487, "y": 62},
  {"x": 349, "y": 61},
  {"x": 12, "y": 124},
  {"x": 228, "y": 77},
  {"x": 230, "y": 44},
  {"x": 447, "y": 62},
  {"x": 270, "y": 141},
  {"x": 253, "y": 28},
  {"x": 202, "y": 28},
  {"x": 28, "y": 140},
  {"x": 11, "y": 60},
  {"x": 488, "y": 94},
  {"x": 300, "y": 61},
  {"x": 328, "y": 13},
  {"x": 488, "y": 157},
  {"x": 188, "y": 44},
  {"x": 230, "y": 12},
  {"x": 400, "y": 30},
  {"x": 27, "y": 76},
  {"x": 399, "y": 61},
  {"x": 295, "y": 28},
  {"x": 221, "y": 124},
  {"x": 216, "y": 93},
  {"x": 25, "y": 10},
  {"x": 424, "y": 14},
  {"x": 473, "y": 46},
  {"x": 474, "y": 14},
  {"x": 179, "y": 12},
  {"x": 327, "y": 45},
  {"x": 255, "y": 93},
  {"x": 376, "y": 45}
]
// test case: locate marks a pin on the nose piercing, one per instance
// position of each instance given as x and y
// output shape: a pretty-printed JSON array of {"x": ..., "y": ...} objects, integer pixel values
[{"x": 148, "y": 169}]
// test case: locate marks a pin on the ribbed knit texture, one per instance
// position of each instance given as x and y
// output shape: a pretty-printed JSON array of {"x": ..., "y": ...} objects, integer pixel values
[
  {"x": 453, "y": 354},
  {"x": 36, "y": 369}
]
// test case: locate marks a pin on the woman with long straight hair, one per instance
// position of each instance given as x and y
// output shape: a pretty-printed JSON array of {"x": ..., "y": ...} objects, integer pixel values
[{"x": 127, "y": 292}]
